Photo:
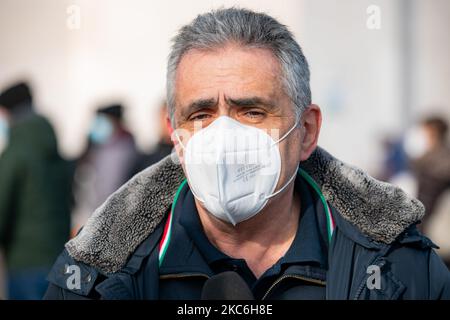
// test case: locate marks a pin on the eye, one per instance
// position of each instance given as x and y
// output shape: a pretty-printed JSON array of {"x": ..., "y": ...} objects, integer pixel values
[
  {"x": 199, "y": 117},
  {"x": 254, "y": 114}
]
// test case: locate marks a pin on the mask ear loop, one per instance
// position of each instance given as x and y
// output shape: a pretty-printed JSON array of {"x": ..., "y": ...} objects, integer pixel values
[
  {"x": 288, "y": 132},
  {"x": 283, "y": 187},
  {"x": 295, "y": 172},
  {"x": 179, "y": 141},
  {"x": 184, "y": 149}
]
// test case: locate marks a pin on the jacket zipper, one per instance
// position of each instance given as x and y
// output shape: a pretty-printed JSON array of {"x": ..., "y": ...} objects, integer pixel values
[
  {"x": 178, "y": 276},
  {"x": 315, "y": 281}
]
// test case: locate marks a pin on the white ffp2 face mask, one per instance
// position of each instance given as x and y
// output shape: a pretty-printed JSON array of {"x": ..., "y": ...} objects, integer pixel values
[{"x": 233, "y": 169}]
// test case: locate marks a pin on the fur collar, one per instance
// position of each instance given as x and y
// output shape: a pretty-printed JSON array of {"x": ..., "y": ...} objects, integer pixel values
[{"x": 379, "y": 210}]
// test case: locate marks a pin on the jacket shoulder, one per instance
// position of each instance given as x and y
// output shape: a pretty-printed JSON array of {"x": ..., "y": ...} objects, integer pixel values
[
  {"x": 73, "y": 279},
  {"x": 416, "y": 264},
  {"x": 70, "y": 277},
  {"x": 127, "y": 217}
]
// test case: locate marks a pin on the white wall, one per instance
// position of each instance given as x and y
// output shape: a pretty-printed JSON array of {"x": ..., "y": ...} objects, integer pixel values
[
  {"x": 121, "y": 49},
  {"x": 354, "y": 75},
  {"x": 34, "y": 45},
  {"x": 431, "y": 77},
  {"x": 119, "y": 52}
]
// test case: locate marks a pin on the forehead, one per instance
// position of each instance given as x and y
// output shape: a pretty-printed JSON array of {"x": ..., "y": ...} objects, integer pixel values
[{"x": 232, "y": 70}]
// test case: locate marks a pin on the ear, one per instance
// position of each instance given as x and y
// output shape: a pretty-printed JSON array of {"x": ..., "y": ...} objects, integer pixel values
[{"x": 311, "y": 122}]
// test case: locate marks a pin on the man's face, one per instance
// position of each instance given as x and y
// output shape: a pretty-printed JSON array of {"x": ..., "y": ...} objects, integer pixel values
[{"x": 241, "y": 83}]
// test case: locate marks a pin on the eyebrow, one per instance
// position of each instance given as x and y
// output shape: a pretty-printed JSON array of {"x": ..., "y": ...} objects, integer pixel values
[
  {"x": 236, "y": 102},
  {"x": 250, "y": 102},
  {"x": 198, "y": 105}
]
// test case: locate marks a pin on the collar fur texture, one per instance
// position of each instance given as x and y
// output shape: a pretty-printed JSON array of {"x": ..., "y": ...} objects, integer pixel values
[{"x": 379, "y": 210}]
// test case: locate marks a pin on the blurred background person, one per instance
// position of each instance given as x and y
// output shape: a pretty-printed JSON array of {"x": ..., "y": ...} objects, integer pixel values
[
  {"x": 105, "y": 165},
  {"x": 426, "y": 145},
  {"x": 34, "y": 196},
  {"x": 394, "y": 161},
  {"x": 163, "y": 146},
  {"x": 431, "y": 163}
]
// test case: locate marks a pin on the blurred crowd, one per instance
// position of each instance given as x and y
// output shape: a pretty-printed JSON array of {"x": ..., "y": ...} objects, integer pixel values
[
  {"x": 419, "y": 162},
  {"x": 46, "y": 199}
]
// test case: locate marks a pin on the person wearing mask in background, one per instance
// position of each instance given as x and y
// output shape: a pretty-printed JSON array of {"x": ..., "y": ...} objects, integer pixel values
[
  {"x": 106, "y": 164},
  {"x": 432, "y": 165},
  {"x": 163, "y": 147},
  {"x": 35, "y": 196},
  {"x": 252, "y": 197}
]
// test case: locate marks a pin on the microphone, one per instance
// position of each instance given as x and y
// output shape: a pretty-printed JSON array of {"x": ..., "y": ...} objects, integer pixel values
[{"x": 226, "y": 286}]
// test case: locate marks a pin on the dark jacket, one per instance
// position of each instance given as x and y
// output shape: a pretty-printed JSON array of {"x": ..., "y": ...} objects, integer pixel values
[
  {"x": 34, "y": 196},
  {"x": 117, "y": 251}
]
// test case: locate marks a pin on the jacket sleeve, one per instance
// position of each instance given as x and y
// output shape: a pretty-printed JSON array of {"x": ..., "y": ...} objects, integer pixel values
[
  {"x": 439, "y": 275},
  {"x": 72, "y": 280}
]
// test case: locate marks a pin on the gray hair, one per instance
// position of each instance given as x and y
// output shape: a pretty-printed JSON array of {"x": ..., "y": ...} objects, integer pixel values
[{"x": 217, "y": 28}]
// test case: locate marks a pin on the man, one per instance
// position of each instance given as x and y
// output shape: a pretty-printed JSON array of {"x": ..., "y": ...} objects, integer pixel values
[
  {"x": 432, "y": 168},
  {"x": 321, "y": 230},
  {"x": 34, "y": 196},
  {"x": 105, "y": 165}
]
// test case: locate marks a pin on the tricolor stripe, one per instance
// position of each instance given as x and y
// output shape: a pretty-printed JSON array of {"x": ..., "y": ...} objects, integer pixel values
[
  {"x": 330, "y": 221},
  {"x": 165, "y": 240}
]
